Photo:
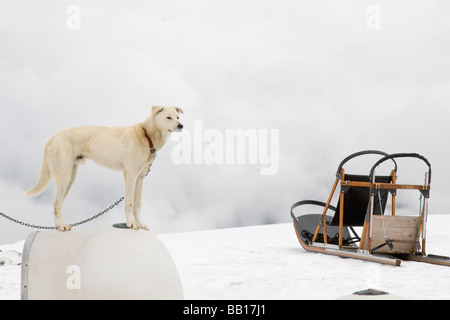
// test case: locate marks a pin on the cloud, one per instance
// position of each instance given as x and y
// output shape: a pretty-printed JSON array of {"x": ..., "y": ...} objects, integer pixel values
[{"x": 313, "y": 71}]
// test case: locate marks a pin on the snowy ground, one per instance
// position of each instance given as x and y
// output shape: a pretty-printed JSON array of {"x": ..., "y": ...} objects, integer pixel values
[{"x": 267, "y": 262}]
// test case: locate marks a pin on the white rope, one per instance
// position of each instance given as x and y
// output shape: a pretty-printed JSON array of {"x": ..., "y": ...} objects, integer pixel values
[{"x": 382, "y": 216}]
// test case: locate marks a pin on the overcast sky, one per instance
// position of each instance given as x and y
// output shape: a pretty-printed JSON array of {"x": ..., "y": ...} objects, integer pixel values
[{"x": 331, "y": 77}]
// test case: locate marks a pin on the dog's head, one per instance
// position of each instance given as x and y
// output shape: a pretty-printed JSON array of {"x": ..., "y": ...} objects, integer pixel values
[{"x": 167, "y": 119}]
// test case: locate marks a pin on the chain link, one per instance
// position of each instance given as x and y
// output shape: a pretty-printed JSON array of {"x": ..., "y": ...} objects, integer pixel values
[{"x": 25, "y": 224}]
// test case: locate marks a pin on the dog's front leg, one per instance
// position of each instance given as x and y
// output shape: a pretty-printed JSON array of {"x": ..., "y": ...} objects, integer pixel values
[
  {"x": 130, "y": 185},
  {"x": 138, "y": 201}
]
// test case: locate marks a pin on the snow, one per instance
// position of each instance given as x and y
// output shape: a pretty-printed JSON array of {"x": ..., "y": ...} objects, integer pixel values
[
  {"x": 267, "y": 262},
  {"x": 10, "y": 259}
]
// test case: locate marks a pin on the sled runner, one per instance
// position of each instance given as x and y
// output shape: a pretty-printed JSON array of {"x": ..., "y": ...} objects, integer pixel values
[{"x": 387, "y": 239}]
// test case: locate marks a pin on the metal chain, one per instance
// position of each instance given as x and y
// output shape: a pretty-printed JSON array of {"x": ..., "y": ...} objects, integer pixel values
[
  {"x": 98, "y": 214},
  {"x": 25, "y": 224},
  {"x": 71, "y": 225}
]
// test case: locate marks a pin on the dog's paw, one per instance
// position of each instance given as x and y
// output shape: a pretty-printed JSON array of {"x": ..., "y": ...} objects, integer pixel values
[
  {"x": 143, "y": 226},
  {"x": 63, "y": 227},
  {"x": 133, "y": 225}
]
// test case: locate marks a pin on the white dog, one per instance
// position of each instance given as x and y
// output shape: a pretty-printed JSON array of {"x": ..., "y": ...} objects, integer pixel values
[{"x": 127, "y": 149}]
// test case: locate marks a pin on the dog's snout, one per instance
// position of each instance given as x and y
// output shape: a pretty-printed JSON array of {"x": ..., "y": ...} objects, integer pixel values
[{"x": 180, "y": 126}]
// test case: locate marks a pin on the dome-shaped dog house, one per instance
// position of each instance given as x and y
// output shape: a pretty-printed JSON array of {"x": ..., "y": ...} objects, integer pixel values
[{"x": 109, "y": 263}]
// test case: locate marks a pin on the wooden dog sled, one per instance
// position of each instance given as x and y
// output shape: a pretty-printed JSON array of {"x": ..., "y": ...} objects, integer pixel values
[{"x": 387, "y": 239}]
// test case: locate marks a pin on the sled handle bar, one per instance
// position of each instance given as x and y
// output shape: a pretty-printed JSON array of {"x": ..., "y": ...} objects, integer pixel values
[
  {"x": 307, "y": 202},
  {"x": 400, "y": 155},
  {"x": 357, "y": 154}
]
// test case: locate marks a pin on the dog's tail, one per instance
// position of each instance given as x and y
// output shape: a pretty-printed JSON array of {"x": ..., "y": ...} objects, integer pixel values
[{"x": 43, "y": 180}]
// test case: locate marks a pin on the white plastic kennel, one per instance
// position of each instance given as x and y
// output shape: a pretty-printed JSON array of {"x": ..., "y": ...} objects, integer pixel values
[{"x": 109, "y": 263}]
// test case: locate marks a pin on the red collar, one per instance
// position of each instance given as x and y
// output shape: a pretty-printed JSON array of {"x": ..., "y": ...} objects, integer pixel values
[{"x": 150, "y": 143}]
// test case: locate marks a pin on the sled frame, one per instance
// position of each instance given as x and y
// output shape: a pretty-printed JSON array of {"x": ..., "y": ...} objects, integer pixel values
[{"x": 412, "y": 246}]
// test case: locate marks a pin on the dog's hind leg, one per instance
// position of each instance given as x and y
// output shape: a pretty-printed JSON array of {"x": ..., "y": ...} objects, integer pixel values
[
  {"x": 72, "y": 179},
  {"x": 61, "y": 167}
]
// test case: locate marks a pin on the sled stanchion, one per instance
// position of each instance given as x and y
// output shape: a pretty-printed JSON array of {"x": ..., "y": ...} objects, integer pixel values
[
  {"x": 326, "y": 209},
  {"x": 394, "y": 194},
  {"x": 327, "y": 206},
  {"x": 341, "y": 213},
  {"x": 425, "y": 217}
]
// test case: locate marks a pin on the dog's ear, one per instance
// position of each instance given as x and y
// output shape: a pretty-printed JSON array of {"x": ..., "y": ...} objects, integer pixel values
[
  {"x": 179, "y": 110},
  {"x": 157, "y": 109}
]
